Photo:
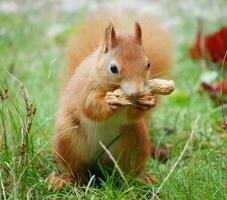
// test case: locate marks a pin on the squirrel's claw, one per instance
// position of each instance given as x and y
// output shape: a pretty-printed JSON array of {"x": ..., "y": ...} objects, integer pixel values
[
  {"x": 150, "y": 179},
  {"x": 58, "y": 181},
  {"x": 115, "y": 101},
  {"x": 145, "y": 102}
]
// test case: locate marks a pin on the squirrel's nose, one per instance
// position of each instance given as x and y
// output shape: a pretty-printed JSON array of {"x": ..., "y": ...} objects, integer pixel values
[{"x": 132, "y": 89}]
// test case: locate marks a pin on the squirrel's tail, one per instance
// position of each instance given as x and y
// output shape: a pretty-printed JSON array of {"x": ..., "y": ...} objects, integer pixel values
[{"x": 156, "y": 41}]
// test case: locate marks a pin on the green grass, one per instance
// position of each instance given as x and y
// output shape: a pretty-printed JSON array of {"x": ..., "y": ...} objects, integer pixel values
[{"x": 26, "y": 159}]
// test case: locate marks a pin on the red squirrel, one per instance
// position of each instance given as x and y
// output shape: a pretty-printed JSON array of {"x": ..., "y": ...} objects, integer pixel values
[{"x": 111, "y": 51}]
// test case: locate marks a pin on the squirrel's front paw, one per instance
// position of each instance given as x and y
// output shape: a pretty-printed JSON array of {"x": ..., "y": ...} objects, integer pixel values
[
  {"x": 145, "y": 102},
  {"x": 116, "y": 101}
]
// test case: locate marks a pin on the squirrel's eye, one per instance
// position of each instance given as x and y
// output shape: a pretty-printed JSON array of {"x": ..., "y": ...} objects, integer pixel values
[
  {"x": 148, "y": 65},
  {"x": 113, "y": 69}
]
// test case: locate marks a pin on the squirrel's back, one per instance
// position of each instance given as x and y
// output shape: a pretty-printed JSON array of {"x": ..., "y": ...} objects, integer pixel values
[{"x": 155, "y": 40}]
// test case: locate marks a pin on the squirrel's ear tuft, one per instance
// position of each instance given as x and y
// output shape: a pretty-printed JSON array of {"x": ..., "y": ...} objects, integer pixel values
[
  {"x": 110, "y": 40},
  {"x": 138, "y": 33}
]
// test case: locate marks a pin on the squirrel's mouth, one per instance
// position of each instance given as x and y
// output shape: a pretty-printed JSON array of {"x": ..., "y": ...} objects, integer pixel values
[{"x": 132, "y": 88}]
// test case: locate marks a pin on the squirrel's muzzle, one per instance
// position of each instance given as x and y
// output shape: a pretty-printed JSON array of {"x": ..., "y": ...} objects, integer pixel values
[{"x": 132, "y": 88}]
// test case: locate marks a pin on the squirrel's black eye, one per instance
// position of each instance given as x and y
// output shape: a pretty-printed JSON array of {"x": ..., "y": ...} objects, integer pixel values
[
  {"x": 113, "y": 69},
  {"x": 148, "y": 65}
]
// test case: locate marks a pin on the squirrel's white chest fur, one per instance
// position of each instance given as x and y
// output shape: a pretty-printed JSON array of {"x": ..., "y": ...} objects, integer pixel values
[{"x": 105, "y": 131}]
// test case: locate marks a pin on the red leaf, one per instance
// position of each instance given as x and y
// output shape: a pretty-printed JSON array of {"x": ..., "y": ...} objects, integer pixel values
[
  {"x": 161, "y": 154},
  {"x": 212, "y": 47},
  {"x": 216, "y": 90},
  {"x": 220, "y": 86}
]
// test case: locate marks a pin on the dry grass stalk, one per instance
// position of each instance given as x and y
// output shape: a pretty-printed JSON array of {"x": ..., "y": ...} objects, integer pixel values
[
  {"x": 114, "y": 161},
  {"x": 4, "y": 94},
  {"x": 30, "y": 110},
  {"x": 194, "y": 127},
  {"x": 27, "y": 123}
]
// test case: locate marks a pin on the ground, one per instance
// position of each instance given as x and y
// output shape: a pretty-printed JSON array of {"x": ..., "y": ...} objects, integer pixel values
[{"x": 32, "y": 41}]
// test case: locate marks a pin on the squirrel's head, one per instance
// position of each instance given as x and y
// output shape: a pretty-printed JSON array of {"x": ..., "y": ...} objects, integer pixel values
[{"x": 123, "y": 61}]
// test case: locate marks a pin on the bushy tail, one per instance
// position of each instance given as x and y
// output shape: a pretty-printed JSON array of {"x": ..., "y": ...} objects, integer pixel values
[{"x": 156, "y": 41}]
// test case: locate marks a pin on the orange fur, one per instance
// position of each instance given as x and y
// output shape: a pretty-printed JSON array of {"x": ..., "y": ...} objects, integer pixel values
[
  {"x": 156, "y": 41},
  {"x": 85, "y": 117}
]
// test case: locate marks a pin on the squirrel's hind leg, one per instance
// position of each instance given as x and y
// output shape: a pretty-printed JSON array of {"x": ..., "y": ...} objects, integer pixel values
[{"x": 70, "y": 145}]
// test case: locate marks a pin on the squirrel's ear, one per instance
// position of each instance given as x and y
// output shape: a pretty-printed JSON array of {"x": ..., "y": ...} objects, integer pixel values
[
  {"x": 110, "y": 40},
  {"x": 138, "y": 33}
]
